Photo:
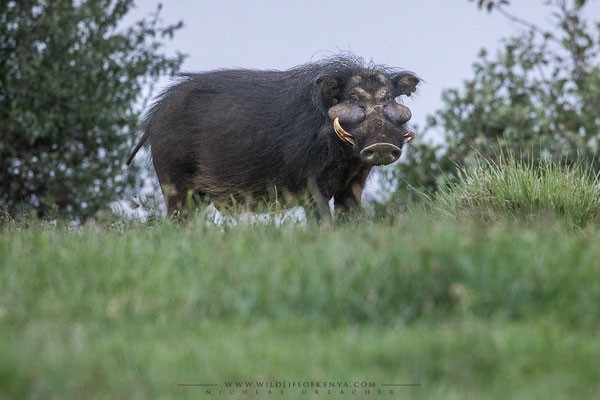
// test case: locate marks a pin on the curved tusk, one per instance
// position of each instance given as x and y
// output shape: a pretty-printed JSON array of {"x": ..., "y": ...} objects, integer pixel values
[
  {"x": 408, "y": 137},
  {"x": 342, "y": 134}
]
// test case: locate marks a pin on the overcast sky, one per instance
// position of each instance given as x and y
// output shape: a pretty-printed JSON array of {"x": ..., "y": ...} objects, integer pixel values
[{"x": 437, "y": 39}]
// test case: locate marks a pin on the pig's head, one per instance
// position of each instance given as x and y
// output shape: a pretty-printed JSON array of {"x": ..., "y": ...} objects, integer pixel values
[{"x": 365, "y": 115}]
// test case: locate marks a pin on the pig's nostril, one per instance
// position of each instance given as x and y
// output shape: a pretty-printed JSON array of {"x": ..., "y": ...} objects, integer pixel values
[{"x": 368, "y": 153}]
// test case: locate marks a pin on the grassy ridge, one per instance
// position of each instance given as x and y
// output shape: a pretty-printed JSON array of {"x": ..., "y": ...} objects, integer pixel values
[
  {"x": 106, "y": 312},
  {"x": 503, "y": 306},
  {"x": 376, "y": 273}
]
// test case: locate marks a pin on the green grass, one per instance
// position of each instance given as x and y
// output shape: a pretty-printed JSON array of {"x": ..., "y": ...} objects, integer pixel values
[
  {"x": 522, "y": 188},
  {"x": 467, "y": 307}
]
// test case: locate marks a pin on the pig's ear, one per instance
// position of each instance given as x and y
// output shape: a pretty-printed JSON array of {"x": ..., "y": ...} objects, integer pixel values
[
  {"x": 329, "y": 90},
  {"x": 405, "y": 83}
]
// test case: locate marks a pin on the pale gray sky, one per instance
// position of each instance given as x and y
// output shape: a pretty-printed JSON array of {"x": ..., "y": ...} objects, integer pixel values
[{"x": 437, "y": 39}]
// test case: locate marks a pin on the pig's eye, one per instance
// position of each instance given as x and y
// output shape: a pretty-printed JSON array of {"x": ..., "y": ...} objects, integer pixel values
[
  {"x": 353, "y": 98},
  {"x": 388, "y": 97}
]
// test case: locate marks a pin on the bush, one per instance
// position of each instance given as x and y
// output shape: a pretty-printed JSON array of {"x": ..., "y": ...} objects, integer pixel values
[
  {"x": 538, "y": 96},
  {"x": 70, "y": 83}
]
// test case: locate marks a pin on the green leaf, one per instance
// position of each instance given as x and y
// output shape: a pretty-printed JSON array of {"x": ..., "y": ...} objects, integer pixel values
[{"x": 69, "y": 101}]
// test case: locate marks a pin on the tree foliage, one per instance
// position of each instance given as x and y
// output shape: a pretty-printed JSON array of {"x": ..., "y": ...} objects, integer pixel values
[
  {"x": 71, "y": 80},
  {"x": 491, "y": 4},
  {"x": 539, "y": 97}
]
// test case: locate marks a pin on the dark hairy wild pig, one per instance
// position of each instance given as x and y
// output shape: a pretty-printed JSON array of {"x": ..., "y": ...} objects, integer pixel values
[{"x": 259, "y": 136}]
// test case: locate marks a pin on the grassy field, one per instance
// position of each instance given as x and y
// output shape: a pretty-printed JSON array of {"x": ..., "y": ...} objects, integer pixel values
[{"x": 466, "y": 300}]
